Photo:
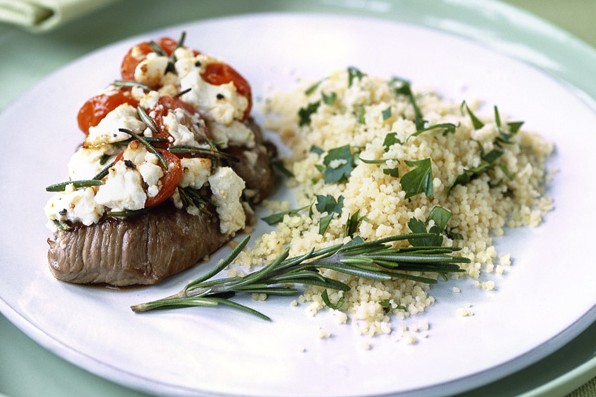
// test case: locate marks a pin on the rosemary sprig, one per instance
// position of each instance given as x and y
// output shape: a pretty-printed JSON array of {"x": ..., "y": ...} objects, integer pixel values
[
  {"x": 212, "y": 152},
  {"x": 60, "y": 187},
  {"x": 147, "y": 120},
  {"x": 146, "y": 143},
  {"x": 375, "y": 260},
  {"x": 130, "y": 84},
  {"x": 192, "y": 197}
]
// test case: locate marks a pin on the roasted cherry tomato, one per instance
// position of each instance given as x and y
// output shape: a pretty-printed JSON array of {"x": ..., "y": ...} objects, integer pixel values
[
  {"x": 97, "y": 107},
  {"x": 164, "y": 105},
  {"x": 221, "y": 73},
  {"x": 169, "y": 181},
  {"x": 130, "y": 62}
]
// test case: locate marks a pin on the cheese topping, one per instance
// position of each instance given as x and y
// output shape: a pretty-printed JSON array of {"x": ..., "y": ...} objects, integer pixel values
[{"x": 138, "y": 175}]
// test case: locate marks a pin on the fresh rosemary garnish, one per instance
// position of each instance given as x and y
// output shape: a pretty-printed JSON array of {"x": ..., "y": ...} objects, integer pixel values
[
  {"x": 277, "y": 217},
  {"x": 60, "y": 187},
  {"x": 130, "y": 84},
  {"x": 145, "y": 143},
  {"x": 374, "y": 260},
  {"x": 123, "y": 214},
  {"x": 104, "y": 171},
  {"x": 212, "y": 152},
  {"x": 192, "y": 197},
  {"x": 147, "y": 120},
  {"x": 178, "y": 95}
]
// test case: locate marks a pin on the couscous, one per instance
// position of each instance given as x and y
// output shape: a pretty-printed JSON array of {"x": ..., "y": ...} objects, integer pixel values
[{"x": 357, "y": 139}]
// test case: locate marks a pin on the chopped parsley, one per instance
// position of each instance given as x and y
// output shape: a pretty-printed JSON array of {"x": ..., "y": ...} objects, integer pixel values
[
  {"x": 328, "y": 204},
  {"x": 338, "y": 164},
  {"x": 390, "y": 140},
  {"x": 386, "y": 114},
  {"x": 403, "y": 87},
  {"x": 279, "y": 216},
  {"x": 419, "y": 179},
  {"x": 440, "y": 217},
  {"x": 354, "y": 73},
  {"x": 329, "y": 99},
  {"x": 304, "y": 114}
]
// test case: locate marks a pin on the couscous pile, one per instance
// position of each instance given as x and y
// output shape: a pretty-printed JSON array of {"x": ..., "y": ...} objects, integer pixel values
[{"x": 368, "y": 154}]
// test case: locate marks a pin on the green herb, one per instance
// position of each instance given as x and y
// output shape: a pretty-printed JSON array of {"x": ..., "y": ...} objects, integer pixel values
[
  {"x": 353, "y": 223},
  {"x": 316, "y": 149},
  {"x": 130, "y": 84},
  {"x": 157, "y": 49},
  {"x": 60, "y": 187},
  {"x": 211, "y": 153},
  {"x": 279, "y": 216},
  {"x": 328, "y": 204},
  {"x": 361, "y": 114},
  {"x": 278, "y": 165},
  {"x": 339, "y": 163},
  {"x": 101, "y": 174},
  {"x": 476, "y": 123},
  {"x": 186, "y": 91},
  {"x": 145, "y": 143},
  {"x": 304, "y": 114},
  {"x": 192, "y": 198},
  {"x": 403, "y": 87},
  {"x": 329, "y": 99},
  {"x": 354, "y": 73},
  {"x": 374, "y": 260},
  {"x": 63, "y": 226},
  {"x": 312, "y": 88},
  {"x": 448, "y": 128},
  {"x": 394, "y": 172},
  {"x": 504, "y": 136},
  {"x": 419, "y": 179},
  {"x": 337, "y": 306},
  {"x": 127, "y": 213},
  {"x": 386, "y": 114},
  {"x": 148, "y": 121},
  {"x": 390, "y": 140},
  {"x": 440, "y": 217}
]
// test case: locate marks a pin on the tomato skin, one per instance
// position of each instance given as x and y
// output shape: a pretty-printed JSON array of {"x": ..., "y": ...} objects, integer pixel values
[
  {"x": 169, "y": 181},
  {"x": 129, "y": 62},
  {"x": 218, "y": 73},
  {"x": 97, "y": 107},
  {"x": 164, "y": 105}
]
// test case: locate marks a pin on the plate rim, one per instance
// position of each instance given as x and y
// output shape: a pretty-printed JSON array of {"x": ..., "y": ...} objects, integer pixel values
[{"x": 30, "y": 324}]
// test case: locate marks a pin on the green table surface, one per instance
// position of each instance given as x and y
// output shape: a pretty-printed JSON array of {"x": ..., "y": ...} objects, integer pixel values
[{"x": 27, "y": 369}]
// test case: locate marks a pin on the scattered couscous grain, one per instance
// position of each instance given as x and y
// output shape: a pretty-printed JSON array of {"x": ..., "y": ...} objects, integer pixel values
[{"x": 485, "y": 170}]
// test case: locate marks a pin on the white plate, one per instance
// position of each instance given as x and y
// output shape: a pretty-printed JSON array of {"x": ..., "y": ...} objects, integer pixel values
[{"x": 544, "y": 301}]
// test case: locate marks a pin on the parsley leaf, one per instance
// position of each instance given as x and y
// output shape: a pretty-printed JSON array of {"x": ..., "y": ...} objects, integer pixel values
[
  {"x": 354, "y": 73},
  {"x": 448, "y": 128},
  {"x": 312, "y": 88},
  {"x": 386, "y": 114},
  {"x": 316, "y": 149},
  {"x": 329, "y": 99},
  {"x": 390, "y": 140},
  {"x": 440, "y": 216},
  {"x": 329, "y": 205},
  {"x": 360, "y": 114},
  {"x": 476, "y": 123},
  {"x": 279, "y": 216},
  {"x": 403, "y": 87},
  {"x": 305, "y": 113},
  {"x": 278, "y": 165},
  {"x": 339, "y": 163},
  {"x": 353, "y": 223},
  {"x": 419, "y": 179}
]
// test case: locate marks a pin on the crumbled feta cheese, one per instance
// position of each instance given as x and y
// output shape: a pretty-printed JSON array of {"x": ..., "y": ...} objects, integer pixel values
[
  {"x": 122, "y": 190},
  {"x": 151, "y": 70},
  {"x": 227, "y": 187},
  {"x": 219, "y": 103},
  {"x": 181, "y": 126},
  {"x": 195, "y": 172},
  {"x": 75, "y": 206},
  {"x": 236, "y": 133},
  {"x": 107, "y": 131},
  {"x": 85, "y": 163}
]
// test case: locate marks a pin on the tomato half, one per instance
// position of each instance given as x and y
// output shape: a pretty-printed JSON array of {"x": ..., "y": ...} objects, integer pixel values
[
  {"x": 169, "y": 181},
  {"x": 129, "y": 63},
  {"x": 97, "y": 107},
  {"x": 220, "y": 73}
]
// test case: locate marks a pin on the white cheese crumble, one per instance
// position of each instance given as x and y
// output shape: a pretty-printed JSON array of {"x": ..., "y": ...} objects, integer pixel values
[
  {"x": 107, "y": 131},
  {"x": 177, "y": 122},
  {"x": 236, "y": 133},
  {"x": 219, "y": 103},
  {"x": 151, "y": 70},
  {"x": 74, "y": 206},
  {"x": 227, "y": 187},
  {"x": 85, "y": 163},
  {"x": 195, "y": 172},
  {"x": 122, "y": 190}
]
